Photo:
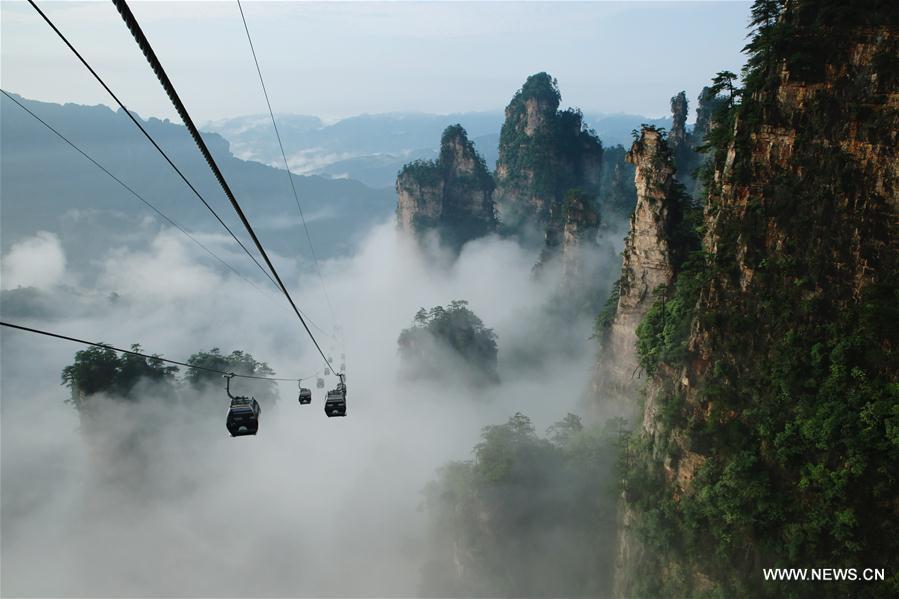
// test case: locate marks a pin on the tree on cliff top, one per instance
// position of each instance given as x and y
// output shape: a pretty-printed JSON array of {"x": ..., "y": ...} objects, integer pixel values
[
  {"x": 449, "y": 342},
  {"x": 102, "y": 370}
]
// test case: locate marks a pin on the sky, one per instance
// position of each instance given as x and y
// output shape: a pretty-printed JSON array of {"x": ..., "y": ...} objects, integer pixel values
[{"x": 340, "y": 59}]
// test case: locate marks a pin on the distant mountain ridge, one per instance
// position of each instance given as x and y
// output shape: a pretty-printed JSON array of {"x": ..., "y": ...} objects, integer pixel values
[
  {"x": 46, "y": 185},
  {"x": 372, "y": 148}
]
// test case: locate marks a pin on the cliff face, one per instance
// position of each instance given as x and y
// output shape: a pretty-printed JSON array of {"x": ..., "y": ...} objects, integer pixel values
[
  {"x": 771, "y": 355},
  {"x": 543, "y": 154},
  {"x": 678, "y": 133},
  {"x": 648, "y": 264},
  {"x": 452, "y": 195},
  {"x": 571, "y": 235},
  {"x": 684, "y": 144}
]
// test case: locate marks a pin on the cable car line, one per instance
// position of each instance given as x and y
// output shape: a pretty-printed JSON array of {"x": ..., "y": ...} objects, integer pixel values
[
  {"x": 143, "y": 355},
  {"x": 286, "y": 164},
  {"x": 151, "y": 57},
  {"x": 149, "y": 137},
  {"x": 161, "y": 214}
]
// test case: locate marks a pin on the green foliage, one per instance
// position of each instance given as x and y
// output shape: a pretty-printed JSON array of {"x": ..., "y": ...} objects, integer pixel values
[
  {"x": 465, "y": 193},
  {"x": 663, "y": 333},
  {"x": 529, "y": 516},
  {"x": 607, "y": 315},
  {"x": 454, "y": 329},
  {"x": 552, "y": 159},
  {"x": 793, "y": 423},
  {"x": 238, "y": 362},
  {"x": 102, "y": 370},
  {"x": 540, "y": 86},
  {"x": 424, "y": 172}
]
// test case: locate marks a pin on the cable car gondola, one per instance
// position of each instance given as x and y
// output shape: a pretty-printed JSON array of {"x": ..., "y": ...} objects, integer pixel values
[
  {"x": 327, "y": 371},
  {"x": 335, "y": 401},
  {"x": 320, "y": 383},
  {"x": 305, "y": 396},
  {"x": 243, "y": 413}
]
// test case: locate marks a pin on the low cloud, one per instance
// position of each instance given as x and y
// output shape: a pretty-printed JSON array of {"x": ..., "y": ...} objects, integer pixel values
[
  {"x": 37, "y": 261},
  {"x": 156, "y": 499}
]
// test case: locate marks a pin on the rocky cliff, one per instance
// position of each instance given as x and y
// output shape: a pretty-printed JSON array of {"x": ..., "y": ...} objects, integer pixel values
[
  {"x": 543, "y": 154},
  {"x": 648, "y": 264},
  {"x": 571, "y": 236},
  {"x": 769, "y": 422},
  {"x": 452, "y": 196}
]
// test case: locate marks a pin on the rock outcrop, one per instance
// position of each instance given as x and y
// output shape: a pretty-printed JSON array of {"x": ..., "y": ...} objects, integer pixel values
[
  {"x": 452, "y": 196},
  {"x": 678, "y": 133},
  {"x": 683, "y": 144},
  {"x": 709, "y": 103},
  {"x": 543, "y": 154},
  {"x": 648, "y": 263},
  {"x": 757, "y": 441}
]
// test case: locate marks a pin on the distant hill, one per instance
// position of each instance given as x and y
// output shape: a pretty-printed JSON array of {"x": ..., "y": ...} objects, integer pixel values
[
  {"x": 46, "y": 185},
  {"x": 372, "y": 148}
]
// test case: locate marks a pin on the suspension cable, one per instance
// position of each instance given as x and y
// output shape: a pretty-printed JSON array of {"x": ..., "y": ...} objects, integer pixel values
[
  {"x": 287, "y": 165},
  {"x": 131, "y": 352},
  {"x": 150, "y": 138},
  {"x": 161, "y": 214},
  {"x": 150, "y": 55}
]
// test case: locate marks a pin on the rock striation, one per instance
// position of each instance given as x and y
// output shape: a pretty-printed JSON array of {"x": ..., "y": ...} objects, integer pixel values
[
  {"x": 648, "y": 263},
  {"x": 452, "y": 196},
  {"x": 787, "y": 345}
]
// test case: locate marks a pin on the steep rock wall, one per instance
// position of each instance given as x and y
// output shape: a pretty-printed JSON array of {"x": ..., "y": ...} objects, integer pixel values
[
  {"x": 648, "y": 263},
  {"x": 544, "y": 153},
  {"x": 452, "y": 196},
  {"x": 756, "y": 442}
]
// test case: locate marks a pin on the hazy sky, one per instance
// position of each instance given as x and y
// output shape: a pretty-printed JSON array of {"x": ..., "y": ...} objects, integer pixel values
[{"x": 343, "y": 58}]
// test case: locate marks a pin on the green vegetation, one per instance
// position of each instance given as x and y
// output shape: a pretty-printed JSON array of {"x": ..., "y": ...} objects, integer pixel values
[
  {"x": 663, "y": 333},
  {"x": 552, "y": 159},
  {"x": 449, "y": 341},
  {"x": 426, "y": 173},
  {"x": 238, "y": 362},
  {"x": 529, "y": 516},
  {"x": 127, "y": 377},
  {"x": 460, "y": 181},
  {"x": 607, "y": 315},
  {"x": 456, "y": 134},
  {"x": 102, "y": 370},
  {"x": 792, "y": 423}
]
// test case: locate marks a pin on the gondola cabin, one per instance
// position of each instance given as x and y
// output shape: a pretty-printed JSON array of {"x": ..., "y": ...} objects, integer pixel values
[
  {"x": 335, "y": 402},
  {"x": 320, "y": 383},
  {"x": 243, "y": 416},
  {"x": 305, "y": 396}
]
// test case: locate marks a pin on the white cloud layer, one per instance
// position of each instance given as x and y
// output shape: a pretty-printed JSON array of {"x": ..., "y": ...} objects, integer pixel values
[
  {"x": 155, "y": 500},
  {"x": 37, "y": 261}
]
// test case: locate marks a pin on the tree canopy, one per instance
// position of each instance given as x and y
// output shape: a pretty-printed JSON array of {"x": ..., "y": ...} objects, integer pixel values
[
  {"x": 449, "y": 341},
  {"x": 102, "y": 370},
  {"x": 529, "y": 516}
]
